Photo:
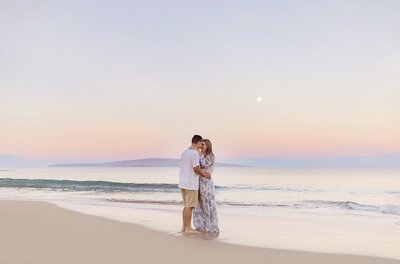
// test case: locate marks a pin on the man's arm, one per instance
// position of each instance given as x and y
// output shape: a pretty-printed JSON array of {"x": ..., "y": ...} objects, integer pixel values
[{"x": 199, "y": 172}]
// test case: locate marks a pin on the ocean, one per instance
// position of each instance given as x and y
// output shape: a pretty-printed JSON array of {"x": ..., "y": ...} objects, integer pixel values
[{"x": 350, "y": 211}]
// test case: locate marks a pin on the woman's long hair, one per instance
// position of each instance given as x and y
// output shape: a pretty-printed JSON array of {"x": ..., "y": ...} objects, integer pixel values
[{"x": 209, "y": 151}]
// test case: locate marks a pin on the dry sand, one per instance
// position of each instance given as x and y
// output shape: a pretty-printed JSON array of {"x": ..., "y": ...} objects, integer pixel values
[{"x": 42, "y": 233}]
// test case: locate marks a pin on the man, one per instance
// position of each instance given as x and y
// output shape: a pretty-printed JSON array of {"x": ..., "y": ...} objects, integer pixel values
[{"x": 189, "y": 181}]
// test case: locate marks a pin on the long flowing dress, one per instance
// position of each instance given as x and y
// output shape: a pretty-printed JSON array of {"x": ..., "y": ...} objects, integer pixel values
[{"x": 205, "y": 214}]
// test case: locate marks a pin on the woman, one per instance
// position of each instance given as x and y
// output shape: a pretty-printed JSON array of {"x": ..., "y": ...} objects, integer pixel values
[{"x": 205, "y": 214}]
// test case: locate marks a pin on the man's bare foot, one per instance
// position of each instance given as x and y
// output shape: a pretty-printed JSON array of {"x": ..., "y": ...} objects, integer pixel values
[{"x": 190, "y": 231}]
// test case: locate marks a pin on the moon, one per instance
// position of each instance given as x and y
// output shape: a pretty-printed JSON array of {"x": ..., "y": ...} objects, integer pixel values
[{"x": 259, "y": 99}]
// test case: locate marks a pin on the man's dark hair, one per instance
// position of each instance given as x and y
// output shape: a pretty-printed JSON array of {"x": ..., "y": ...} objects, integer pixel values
[{"x": 196, "y": 139}]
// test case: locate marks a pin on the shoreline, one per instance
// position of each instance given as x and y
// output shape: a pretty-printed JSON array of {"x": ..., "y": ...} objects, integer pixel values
[{"x": 41, "y": 232}]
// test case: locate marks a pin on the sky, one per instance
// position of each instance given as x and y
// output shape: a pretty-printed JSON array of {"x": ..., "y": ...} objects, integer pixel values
[{"x": 110, "y": 80}]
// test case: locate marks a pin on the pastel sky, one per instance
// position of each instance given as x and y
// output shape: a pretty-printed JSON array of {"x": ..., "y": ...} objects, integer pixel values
[{"x": 131, "y": 79}]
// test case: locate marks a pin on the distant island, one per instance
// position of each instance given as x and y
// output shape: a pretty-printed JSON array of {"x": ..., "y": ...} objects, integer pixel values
[{"x": 150, "y": 162}]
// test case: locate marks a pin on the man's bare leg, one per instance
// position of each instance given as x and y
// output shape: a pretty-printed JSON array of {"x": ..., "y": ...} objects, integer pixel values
[
  {"x": 187, "y": 220},
  {"x": 183, "y": 220}
]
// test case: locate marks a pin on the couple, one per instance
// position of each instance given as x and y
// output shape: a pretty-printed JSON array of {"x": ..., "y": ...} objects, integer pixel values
[{"x": 197, "y": 187}]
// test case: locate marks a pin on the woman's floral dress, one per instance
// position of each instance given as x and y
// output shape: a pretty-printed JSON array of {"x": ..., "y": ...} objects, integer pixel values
[{"x": 205, "y": 214}]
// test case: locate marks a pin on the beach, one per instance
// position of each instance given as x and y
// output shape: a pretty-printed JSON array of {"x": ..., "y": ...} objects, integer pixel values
[
  {"x": 39, "y": 232},
  {"x": 109, "y": 109},
  {"x": 324, "y": 211}
]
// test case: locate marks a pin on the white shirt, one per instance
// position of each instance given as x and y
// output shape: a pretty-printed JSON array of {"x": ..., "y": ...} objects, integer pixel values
[{"x": 188, "y": 179}]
